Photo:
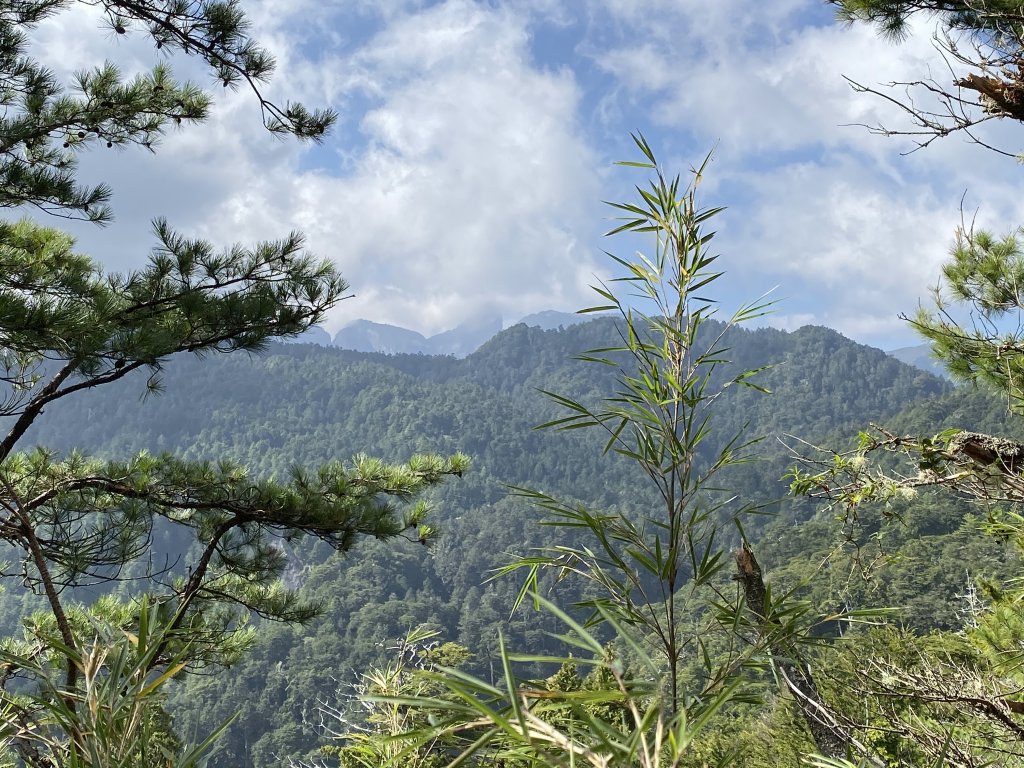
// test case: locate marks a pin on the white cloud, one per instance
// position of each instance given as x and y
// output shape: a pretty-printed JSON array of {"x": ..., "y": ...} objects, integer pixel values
[
  {"x": 845, "y": 250},
  {"x": 852, "y": 253},
  {"x": 470, "y": 189},
  {"x": 790, "y": 322},
  {"x": 760, "y": 83},
  {"x": 466, "y": 174},
  {"x": 852, "y": 230},
  {"x": 474, "y": 191}
]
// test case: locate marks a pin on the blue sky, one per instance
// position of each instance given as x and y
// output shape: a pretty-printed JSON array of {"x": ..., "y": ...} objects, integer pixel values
[{"x": 477, "y": 141}]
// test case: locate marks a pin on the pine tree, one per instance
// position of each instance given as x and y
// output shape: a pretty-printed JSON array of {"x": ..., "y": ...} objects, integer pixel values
[
  {"x": 983, "y": 37},
  {"x": 66, "y": 327},
  {"x": 45, "y": 123}
]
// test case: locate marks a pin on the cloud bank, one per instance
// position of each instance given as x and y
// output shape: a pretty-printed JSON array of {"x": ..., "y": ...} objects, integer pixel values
[{"x": 476, "y": 144}]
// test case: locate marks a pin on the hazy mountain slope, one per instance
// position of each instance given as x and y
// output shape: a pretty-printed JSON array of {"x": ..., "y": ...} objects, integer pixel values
[
  {"x": 367, "y": 336},
  {"x": 919, "y": 356},
  {"x": 550, "y": 319}
]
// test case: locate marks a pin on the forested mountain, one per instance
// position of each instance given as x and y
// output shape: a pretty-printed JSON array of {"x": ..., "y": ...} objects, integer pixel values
[
  {"x": 305, "y": 404},
  {"x": 300, "y": 404}
]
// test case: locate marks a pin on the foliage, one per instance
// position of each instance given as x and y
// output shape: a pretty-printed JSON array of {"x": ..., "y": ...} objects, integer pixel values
[
  {"x": 73, "y": 522},
  {"x": 232, "y": 540},
  {"x": 115, "y": 718},
  {"x": 641, "y": 567},
  {"x": 928, "y": 704},
  {"x": 76, "y": 521},
  {"x": 306, "y": 404},
  {"x": 46, "y": 123},
  {"x": 522, "y": 723},
  {"x": 659, "y": 415},
  {"x": 983, "y": 272},
  {"x": 366, "y": 721}
]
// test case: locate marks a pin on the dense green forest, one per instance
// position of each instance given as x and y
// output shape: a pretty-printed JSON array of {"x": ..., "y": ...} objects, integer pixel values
[
  {"x": 658, "y": 539},
  {"x": 308, "y": 404}
]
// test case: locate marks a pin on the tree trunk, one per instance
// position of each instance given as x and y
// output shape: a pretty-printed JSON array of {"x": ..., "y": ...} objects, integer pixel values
[{"x": 831, "y": 738}]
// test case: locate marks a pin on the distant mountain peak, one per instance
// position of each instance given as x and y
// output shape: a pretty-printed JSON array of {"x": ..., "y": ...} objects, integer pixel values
[
  {"x": 920, "y": 356},
  {"x": 463, "y": 339},
  {"x": 312, "y": 335},
  {"x": 552, "y": 319},
  {"x": 368, "y": 336}
]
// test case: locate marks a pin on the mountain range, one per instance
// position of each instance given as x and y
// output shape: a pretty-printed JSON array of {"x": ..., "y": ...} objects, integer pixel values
[
  {"x": 462, "y": 340},
  {"x": 469, "y": 336}
]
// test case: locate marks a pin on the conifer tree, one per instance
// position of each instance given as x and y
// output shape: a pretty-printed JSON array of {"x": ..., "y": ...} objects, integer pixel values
[
  {"x": 982, "y": 42},
  {"x": 67, "y": 327},
  {"x": 45, "y": 122}
]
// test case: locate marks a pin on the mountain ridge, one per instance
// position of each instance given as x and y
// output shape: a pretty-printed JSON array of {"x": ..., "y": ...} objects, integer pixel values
[
  {"x": 464, "y": 339},
  {"x": 467, "y": 337}
]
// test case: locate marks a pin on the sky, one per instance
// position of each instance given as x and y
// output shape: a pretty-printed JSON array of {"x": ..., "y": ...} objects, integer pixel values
[{"x": 477, "y": 141}]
